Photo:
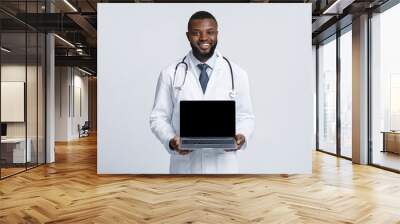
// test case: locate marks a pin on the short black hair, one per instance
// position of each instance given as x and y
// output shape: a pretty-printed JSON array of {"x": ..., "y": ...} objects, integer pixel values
[{"x": 201, "y": 15}]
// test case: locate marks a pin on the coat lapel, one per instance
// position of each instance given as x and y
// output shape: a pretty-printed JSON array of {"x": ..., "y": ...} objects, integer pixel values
[
  {"x": 211, "y": 86},
  {"x": 192, "y": 74},
  {"x": 210, "y": 90}
]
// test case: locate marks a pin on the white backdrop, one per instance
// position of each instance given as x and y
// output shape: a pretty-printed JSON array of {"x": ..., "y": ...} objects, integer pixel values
[{"x": 272, "y": 42}]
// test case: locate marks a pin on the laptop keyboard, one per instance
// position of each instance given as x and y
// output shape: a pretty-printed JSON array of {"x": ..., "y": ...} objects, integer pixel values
[{"x": 207, "y": 141}]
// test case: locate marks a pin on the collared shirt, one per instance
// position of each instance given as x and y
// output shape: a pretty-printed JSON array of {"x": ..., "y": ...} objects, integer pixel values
[{"x": 210, "y": 62}]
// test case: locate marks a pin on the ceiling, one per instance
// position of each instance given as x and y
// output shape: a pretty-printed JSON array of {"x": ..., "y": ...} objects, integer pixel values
[{"x": 75, "y": 21}]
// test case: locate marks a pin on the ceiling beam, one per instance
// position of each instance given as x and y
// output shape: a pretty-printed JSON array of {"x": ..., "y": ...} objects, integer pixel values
[
  {"x": 337, "y": 6},
  {"x": 86, "y": 26},
  {"x": 85, "y": 61}
]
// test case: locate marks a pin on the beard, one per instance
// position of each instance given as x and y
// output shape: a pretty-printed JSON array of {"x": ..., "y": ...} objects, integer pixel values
[{"x": 203, "y": 56}]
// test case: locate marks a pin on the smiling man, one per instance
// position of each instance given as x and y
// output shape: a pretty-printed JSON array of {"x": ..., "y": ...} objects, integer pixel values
[
  {"x": 202, "y": 35},
  {"x": 203, "y": 74}
]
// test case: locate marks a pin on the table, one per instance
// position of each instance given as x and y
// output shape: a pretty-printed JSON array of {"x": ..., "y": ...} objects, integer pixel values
[{"x": 13, "y": 150}]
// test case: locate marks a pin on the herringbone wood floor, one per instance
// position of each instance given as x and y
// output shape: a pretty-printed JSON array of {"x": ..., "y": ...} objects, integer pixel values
[{"x": 70, "y": 191}]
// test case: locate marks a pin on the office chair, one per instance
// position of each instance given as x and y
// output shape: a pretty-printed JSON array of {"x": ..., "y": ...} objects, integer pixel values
[{"x": 84, "y": 130}]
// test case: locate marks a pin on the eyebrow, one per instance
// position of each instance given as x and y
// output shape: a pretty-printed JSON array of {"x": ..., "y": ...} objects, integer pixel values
[{"x": 211, "y": 28}]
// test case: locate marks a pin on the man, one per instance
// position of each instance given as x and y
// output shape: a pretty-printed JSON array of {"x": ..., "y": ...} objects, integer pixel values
[{"x": 203, "y": 74}]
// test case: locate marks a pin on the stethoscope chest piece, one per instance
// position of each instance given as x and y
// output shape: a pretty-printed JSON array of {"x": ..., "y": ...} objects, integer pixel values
[{"x": 232, "y": 94}]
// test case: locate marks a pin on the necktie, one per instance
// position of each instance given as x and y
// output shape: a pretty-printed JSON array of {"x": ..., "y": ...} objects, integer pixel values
[{"x": 203, "y": 76}]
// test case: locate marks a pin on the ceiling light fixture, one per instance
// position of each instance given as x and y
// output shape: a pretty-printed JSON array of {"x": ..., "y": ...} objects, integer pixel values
[
  {"x": 84, "y": 71},
  {"x": 70, "y": 5},
  {"x": 64, "y": 40},
  {"x": 329, "y": 9},
  {"x": 337, "y": 7},
  {"x": 5, "y": 50},
  {"x": 79, "y": 51}
]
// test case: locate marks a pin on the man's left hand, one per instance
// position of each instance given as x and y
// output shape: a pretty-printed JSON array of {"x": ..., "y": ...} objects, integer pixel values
[{"x": 240, "y": 140}]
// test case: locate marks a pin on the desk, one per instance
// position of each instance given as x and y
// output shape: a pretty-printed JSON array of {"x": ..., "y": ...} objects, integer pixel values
[
  {"x": 15, "y": 148},
  {"x": 391, "y": 141}
]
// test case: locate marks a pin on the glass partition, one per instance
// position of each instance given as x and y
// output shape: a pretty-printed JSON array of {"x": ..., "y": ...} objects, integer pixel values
[
  {"x": 346, "y": 93},
  {"x": 41, "y": 88},
  {"x": 13, "y": 105},
  {"x": 385, "y": 89},
  {"x": 32, "y": 95},
  {"x": 22, "y": 78},
  {"x": 32, "y": 85},
  {"x": 327, "y": 96}
]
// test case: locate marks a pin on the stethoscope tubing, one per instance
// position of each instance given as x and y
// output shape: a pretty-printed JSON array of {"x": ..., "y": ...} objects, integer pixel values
[{"x": 187, "y": 67}]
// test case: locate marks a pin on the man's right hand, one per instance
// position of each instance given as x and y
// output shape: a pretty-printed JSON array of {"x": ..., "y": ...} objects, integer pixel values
[{"x": 174, "y": 144}]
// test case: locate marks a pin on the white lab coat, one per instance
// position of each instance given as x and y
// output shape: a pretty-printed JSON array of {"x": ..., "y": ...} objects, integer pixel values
[{"x": 164, "y": 118}]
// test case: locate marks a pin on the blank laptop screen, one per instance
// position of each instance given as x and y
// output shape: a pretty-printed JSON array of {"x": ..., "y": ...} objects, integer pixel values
[{"x": 207, "y": 118}]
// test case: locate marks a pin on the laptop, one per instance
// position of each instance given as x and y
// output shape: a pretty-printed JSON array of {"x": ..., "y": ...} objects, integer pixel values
[{"x": 207, "y": 124}]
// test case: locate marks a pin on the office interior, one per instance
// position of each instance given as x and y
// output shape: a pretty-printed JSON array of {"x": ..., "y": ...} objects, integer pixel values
[{"x": 48, "y": 81}]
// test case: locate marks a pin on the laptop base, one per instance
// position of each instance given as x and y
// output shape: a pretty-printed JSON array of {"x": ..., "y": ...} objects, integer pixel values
[{"x": 207, "y": 143}]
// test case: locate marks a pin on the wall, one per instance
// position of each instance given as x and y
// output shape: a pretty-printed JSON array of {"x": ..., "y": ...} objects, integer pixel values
[
  {"x": 17, "y": 72},
  {"x": 62, "y": 80},
  {"x": 71, "y": 102},
  {"x": 80, "y": 111},
  {"x": 92, "y": 87}
]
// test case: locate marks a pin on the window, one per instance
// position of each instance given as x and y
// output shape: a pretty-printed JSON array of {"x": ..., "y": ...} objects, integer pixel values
[
  {"x": 385, "y": 88},
  {"x": 346, "y": 93},
  {"x": 327, "y": 96}
]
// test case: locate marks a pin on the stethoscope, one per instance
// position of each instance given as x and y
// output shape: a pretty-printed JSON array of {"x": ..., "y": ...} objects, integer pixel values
[{"x": 232, "y": 93}]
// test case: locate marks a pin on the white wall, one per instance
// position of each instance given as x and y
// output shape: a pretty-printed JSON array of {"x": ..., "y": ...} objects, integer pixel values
[
  {"x": 68, "y": 81},
  {"x": 17, "y": 73},
  {"x": 272, "y": 42},
  {"x": 79, "y": 117},
  {"x": 61, "y": 103}
]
